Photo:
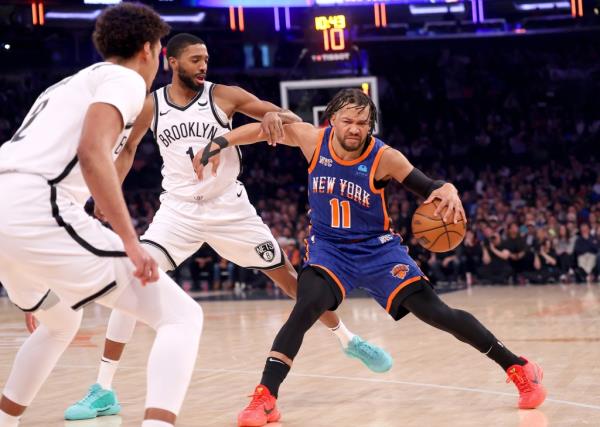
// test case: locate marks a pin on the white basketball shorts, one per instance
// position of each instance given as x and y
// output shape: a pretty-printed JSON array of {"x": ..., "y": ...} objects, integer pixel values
[
  {"x": 228, "y": 223},
  {"x": 48, "y": 242}
]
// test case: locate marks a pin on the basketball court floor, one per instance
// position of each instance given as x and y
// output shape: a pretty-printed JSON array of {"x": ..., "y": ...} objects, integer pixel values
[{"x": 436, "y": 380}]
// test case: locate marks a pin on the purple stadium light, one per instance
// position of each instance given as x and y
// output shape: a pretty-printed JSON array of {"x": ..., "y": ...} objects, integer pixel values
[
  {"x": 481, "y": 17},
  {"x": 474, "y": 10},
  {"x": 288, "y": 24},
  {"x": 276, "y": 16}
]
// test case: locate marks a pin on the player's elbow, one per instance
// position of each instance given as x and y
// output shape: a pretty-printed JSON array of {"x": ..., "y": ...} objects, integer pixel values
[{"x": 85, "y": 152}]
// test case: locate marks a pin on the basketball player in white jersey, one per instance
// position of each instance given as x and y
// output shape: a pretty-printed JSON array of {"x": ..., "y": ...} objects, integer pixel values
[
  {"x": 184, "y": 116},
  {"x": 54, "y": 258}
]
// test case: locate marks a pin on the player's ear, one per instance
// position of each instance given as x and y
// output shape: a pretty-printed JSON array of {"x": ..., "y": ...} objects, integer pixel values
[
  {"x": 147, "y": 49},
  {"x": 172, "y": 62}
]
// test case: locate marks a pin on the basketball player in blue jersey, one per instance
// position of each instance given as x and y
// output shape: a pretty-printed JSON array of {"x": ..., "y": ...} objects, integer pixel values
[
  {"x": 351, "y": 244},
  {"x": 184, "y": 117}
]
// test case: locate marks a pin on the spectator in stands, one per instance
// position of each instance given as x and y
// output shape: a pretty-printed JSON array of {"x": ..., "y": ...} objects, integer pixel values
[{"x": 586, "y": 253}]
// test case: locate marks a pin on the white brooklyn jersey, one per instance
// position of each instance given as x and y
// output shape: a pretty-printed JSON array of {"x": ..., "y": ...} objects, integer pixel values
[
  {"x": 182, "y": 132},
  {"x": 47, "y": 141}
]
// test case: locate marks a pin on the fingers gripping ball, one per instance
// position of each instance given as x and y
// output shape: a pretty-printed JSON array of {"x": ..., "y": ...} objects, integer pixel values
[{"x": 433, "y": 233}]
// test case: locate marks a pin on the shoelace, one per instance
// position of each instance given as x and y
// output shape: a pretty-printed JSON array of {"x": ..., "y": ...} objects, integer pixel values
[
  {"x": 521, "y": 381},
  {"x": 88, "y": 397},
  {"x": 369, "y": 350},
  {"x": 257, "y": 400}
]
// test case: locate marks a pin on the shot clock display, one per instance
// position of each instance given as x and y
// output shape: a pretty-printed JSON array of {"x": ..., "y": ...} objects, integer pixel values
[{"x": 333, "y": 28}]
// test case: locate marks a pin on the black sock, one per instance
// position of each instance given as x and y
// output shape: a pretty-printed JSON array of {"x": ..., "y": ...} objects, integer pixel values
[
  {"x": 274, "y": 373},
  {"x": 504, "y": 357}
]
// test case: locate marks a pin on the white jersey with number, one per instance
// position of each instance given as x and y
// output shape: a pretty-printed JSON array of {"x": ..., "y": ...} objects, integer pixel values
[
  {"x": 183, "y": 131},
  {"x": 47, "y": 141}
]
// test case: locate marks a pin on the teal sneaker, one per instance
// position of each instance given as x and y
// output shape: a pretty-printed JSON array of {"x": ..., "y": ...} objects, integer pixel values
[
  {"x": 97, "y": 403},
  {"x": 375, "y": 358}
]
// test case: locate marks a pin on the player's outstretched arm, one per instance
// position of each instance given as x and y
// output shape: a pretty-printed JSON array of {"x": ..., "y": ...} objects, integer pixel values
[
  {"x": 302, "y": 135},
  {"x": 272, "y": 117},
  {"x": 101, "y": 127},
  {"x": 395, "y": 165}
]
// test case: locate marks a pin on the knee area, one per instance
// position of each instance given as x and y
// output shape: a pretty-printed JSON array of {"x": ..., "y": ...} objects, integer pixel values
[
  {"x": 196, "y": 319},
  {"x": 190, "y": 315},
  {"x": 61, "y": 323}
]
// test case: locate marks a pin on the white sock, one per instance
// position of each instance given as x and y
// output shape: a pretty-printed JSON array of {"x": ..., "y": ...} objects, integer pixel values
[
  {"x": 8, "y": 420},
  {"x": 343, "y": 334},
  {"x": 106, "y": 373},
  {"x": 155, "y": 423}
]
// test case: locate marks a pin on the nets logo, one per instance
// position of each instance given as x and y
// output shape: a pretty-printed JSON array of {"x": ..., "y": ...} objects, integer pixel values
[
  {"x": 266, "y": 251},
  {"x": 400, "y": 271},
  {"x": 325, "y": 161}
]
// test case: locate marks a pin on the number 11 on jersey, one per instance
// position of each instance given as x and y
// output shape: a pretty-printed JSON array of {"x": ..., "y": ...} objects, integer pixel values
[{"x": 335, "y": 213}]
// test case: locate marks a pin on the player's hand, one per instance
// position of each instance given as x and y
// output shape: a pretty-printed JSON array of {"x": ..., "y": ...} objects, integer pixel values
[
  {"x": 449, "y": 201},
  {"x": 272, "y": 127},
  {"x": 146, "y": 268},
  {"x": 213, "y": 162},
  {"x": 98, "y": 213},
  {"x": 30, "y": 322}
]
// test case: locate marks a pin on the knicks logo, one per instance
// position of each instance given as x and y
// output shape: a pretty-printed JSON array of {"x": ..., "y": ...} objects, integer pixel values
[{"x": 400, "y": 271}]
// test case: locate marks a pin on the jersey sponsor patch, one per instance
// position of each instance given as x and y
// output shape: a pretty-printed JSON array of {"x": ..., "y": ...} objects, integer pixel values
[
  {"x": 400, "y": 271},
  {"x": 266, "y": 250}
]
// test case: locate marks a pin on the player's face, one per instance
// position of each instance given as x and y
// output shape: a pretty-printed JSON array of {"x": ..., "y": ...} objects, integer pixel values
[
  {"x": 351, "y": 126},
  {"x": 191, "y": 66}
]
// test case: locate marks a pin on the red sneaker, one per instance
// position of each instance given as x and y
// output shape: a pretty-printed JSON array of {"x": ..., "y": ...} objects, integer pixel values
[
  {"x": 528, "y": 379},
  {"x": 261, "y": 410}
]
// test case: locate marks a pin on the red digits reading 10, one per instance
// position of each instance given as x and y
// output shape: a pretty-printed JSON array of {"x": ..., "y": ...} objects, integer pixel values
[{"x": 333, "y": 31}]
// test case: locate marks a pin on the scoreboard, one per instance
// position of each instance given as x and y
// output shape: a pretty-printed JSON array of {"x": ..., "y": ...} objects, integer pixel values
[{"x": 333, "y": 28}]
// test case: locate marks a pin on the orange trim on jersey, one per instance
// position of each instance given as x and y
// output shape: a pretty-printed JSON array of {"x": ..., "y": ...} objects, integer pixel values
[
  {"x": 315, "y": 158},
  {"x": 401, "y": 286},
  {"x": 333, "y": 276},
  {"x": 350, "y": 162},
  {"x": 381, "y": 192}
]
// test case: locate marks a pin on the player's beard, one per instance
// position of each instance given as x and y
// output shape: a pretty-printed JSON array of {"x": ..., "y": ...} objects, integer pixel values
[
  {"x": 189, "y": 81},
  {"x": 351, "y": 148}
]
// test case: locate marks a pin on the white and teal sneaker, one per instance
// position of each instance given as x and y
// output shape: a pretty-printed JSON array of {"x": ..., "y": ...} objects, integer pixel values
[
  {"x": 375, "y": 358},
  {"x": 97, "y": 403}
]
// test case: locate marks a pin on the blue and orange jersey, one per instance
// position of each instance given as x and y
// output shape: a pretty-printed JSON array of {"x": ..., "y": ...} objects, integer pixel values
[{"x": 345, "y": 204}]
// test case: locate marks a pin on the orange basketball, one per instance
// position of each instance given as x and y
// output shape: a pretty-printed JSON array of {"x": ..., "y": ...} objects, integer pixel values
[{"x": 433, "y": 233}]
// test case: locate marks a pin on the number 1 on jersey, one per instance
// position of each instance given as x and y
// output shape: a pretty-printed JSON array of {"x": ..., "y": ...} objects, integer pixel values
[{"x": 335, "y": 213}]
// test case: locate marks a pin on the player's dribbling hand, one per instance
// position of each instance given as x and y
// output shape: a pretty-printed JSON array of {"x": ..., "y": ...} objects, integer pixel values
[
  {"x": 30, "y": 322},
  {"x": 272, "y": 127},
  {"x": 449, "y": 200},
  {"x": 146, "y": 268}
]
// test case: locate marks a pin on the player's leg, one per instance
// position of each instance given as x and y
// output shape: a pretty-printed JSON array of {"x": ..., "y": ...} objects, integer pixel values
[
  {"x": 315, "y": 296},
  {"x": 527, "y": 376},
  {"x": 101, "y": 399},
  {"x": 38, "y": 355},
  {"x": 286, "y": 278},
  {"x": 167, "y": 242},
  {"x": 178, "y": 325},
  {"x": 374, "y": 357}
]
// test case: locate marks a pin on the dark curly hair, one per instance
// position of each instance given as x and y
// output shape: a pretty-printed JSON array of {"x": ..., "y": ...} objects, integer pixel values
[
  {"x": 356, "y": 97},
  {"x": 123, "y": 29},
  {"x": 180, "y": 41}
]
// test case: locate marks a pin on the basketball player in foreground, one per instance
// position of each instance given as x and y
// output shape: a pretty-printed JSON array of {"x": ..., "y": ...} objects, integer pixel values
[
  {"x": 351, "y": 244},
  {"x": 184, "y": 117},
  {"x": 54, "y": 258}
]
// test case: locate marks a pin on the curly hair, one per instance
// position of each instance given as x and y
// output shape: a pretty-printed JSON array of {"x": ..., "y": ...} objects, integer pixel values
[
  {"x": 123, "y": 29},
  {"x": 352, "y": 96}
]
